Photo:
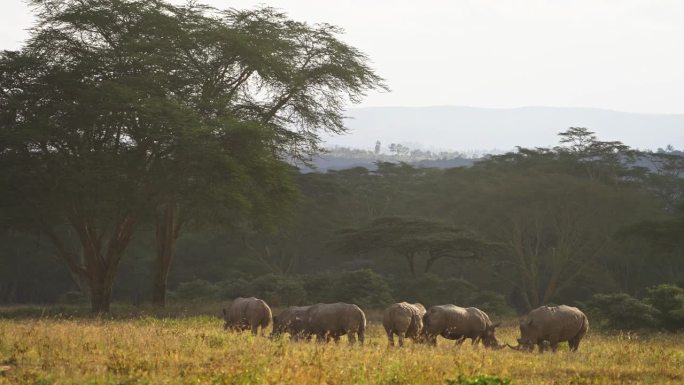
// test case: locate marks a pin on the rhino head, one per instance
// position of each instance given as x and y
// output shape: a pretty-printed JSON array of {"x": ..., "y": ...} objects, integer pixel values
[
  {"x": 527, "y": 339},
  {"x": 489, "y": 337}
]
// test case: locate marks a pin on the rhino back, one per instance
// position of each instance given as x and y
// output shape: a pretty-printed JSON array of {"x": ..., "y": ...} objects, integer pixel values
[
  {"x": 236, "y": 310},
  {"x": 335, "y": 317},
  {"x": 401, "y": 316},
  {"x": 455, "y": 320},
  {"x": 562, "y": 321}
]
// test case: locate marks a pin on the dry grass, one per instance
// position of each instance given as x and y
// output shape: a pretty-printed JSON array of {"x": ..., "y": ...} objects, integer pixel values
[{"x": 196, "y": 351}]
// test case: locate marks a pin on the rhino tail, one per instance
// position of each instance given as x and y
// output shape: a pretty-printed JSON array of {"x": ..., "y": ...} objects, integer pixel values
[
  {"x": 268, "y": 317},
  {"x": 361, "y": 333},
  {"x": 426, "y": 321}
]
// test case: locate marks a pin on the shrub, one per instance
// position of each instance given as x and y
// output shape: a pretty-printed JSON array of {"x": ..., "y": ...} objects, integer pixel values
[
  {"x": 195, "y": 289},
  {"x": 278, "y": 290},
  {"x": 621, "y": 311},
  {"x": 363, "y": 287},
  {"x": 229, "y": 289},
  {"x": 669, "y": 301},
  {"x": 430, "y": 289},
  {"x": 72, "y": 297}
]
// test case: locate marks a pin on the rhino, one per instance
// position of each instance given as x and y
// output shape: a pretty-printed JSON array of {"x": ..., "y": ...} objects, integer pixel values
[
  {"x": 553, "y": 324},
  {"x": 247, "y": 313},
  {"x": 291, "y": 320},
  {"x": 457, "y": 323},
  {"x": 403, "y": 319},
  {"x": 332, "y": 320}
]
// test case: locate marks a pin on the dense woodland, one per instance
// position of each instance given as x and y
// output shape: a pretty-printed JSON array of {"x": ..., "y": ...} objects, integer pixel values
[
  {"x": 531, "y": 227},
  {"x": 149, "y": 149}
]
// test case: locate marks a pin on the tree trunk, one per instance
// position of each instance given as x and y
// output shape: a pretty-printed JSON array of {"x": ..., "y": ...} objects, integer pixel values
[
  {"x": 167, "y": 231},
  {"x": 100, "y": 297},
  {"x": 411, "y": 263},
  {"x": 98, "y": 262}
]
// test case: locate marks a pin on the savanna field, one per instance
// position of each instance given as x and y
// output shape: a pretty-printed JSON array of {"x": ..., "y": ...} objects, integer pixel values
[{"x": 196, "y": 350}]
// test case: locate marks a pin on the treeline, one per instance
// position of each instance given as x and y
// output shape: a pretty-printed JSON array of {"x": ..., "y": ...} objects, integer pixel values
[{"x": 512, "y": 232}]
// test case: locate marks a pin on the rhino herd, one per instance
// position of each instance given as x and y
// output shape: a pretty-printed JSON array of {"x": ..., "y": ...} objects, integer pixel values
[{"x": 329, "y": 321}]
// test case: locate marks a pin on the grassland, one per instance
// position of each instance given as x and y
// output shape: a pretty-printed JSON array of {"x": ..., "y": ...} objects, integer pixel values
[{"x": 195, "y": 350}]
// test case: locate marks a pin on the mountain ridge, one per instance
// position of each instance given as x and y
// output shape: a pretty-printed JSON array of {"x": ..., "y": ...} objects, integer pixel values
[{"x": 467, "y": 128}]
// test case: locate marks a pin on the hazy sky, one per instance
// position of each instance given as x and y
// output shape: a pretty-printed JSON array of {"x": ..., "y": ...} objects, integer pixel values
[{"x": 618, "y": 54}]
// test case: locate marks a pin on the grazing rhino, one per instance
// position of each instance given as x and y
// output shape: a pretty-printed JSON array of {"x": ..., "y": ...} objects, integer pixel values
[
  {"x": 332, "y": 320},
  {"x": 554, "y": 324},
  {"x": 403, "y": 319},
  {"x": 457, "y": 323},
  {"x": 291, "y": 320},
  {"x": 247, "y": 313}
]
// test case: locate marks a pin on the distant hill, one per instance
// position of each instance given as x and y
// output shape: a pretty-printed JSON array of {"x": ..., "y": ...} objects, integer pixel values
[
  {"x": 325, "y": 162},
  {"x": 483, "y": 130}
]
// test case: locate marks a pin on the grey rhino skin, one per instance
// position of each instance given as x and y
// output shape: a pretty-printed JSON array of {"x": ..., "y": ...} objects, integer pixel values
[
  {"x": 291, "y": 320},
  {"x": 403, "y": 319},
  {"x": 457, "y": 323},
  {"x": 332, "y": 320},
  {"x": 247, "y": 313},
  {"x": 554, "y": 324}
]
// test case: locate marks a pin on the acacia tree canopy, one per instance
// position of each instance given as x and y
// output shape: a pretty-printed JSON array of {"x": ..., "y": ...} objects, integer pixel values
[
  {"x": 412, "y": 237},
  {"x": 116, "y": 112}
]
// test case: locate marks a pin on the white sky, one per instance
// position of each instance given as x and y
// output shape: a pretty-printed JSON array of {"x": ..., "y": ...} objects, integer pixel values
[{"x": 625, "y": 55}]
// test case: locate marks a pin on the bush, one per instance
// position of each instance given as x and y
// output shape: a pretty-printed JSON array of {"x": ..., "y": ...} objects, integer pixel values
[
  {"x": 430, "y": 289},
  {"x": 72, "y": 297},
  {"x": 232, "y": 288},
  {"x": 621, "y": 311},
  {"x": 363, "y": 287},
  {"x": 278, "y": 290},
  {"x": 669, "y": 301},
  {"x": 196, "y": 289}
]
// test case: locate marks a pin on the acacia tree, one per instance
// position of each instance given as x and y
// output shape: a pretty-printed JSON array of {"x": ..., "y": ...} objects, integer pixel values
[
  {"x": 292, "y": 78},
  {"x": 119, "y": 111},
  {"x": 412, "y": 238}
]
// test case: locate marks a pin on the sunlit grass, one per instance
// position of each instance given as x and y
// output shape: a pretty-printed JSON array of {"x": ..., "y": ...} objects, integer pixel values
[{"x": 197, "y": 351}]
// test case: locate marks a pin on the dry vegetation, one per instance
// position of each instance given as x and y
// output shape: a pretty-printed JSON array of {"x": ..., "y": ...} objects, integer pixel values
[{"x": 196, "y": 350}]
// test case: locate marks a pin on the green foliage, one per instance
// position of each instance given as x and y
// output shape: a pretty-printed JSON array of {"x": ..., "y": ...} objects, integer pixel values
[
  {"x": 280, "y": 290},
  {"x": 482, "y": 379},
  {"x": 196, "y": 289},
  {"x": 410, "y": 237},
  {"x": 621, "y": 311},
  {"x": 669, "y": 301},
  {"x": 362, "y": 287},
  {"x": 431, "y": 289}
]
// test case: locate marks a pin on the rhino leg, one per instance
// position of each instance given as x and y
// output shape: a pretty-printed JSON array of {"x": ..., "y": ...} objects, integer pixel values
[
  {"x": 390, "y": 337},
  {"x": 361, "y": 334},
  {"x": 351, "y": 337},
  {"x": 541, "y": 345},
  {"x": 554, "y": 343},
  {"x": 574, "y": 343},
  {"x": 460, "y": 340},
  {"x": 401, "y": 339}
]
